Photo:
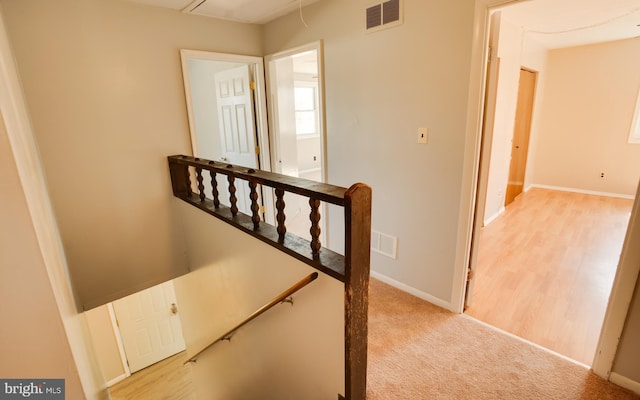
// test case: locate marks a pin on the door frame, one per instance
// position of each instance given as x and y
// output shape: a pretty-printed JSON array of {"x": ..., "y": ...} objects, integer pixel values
[
  {"x": 260, "y": 102},
  {"x": 121, "y": 352},
  {"x": 627, "y": 271},
  {"x": 262, "y": 133},
  {"x": 318, "y": 46}
]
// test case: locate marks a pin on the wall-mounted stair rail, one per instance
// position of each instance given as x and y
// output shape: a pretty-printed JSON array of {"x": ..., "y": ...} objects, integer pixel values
[
  {"x": 279, "y": 299},
  {"x": 188, "y": 173}
]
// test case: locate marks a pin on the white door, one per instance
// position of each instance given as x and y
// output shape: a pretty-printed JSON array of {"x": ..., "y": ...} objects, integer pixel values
[
  {"x": 493, "y": 69},
  {"x": 234, "y": 98},
  {"x": 149, "y": 325}
]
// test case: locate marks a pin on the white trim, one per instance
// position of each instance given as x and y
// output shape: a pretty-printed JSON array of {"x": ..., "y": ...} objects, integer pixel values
[
  {"x": 318, "y": 46},
  {"x": 624, "y": 285},
  {"x": 494, "y": 216},
  {"x": 576, "y": 190},
  {"x": 261, "y": 107},
  {"x": 117, "y": 379},
  {"x": 475, "y": 107},
  {"x": 530, "y": 343},
  {"x": 625, "y": 382},
  {"x": 262, "y": 127},
  {"x": 634, "y": 131},
  {"x": 116, "y": 333},
  {"x": 411, "y": 290}
]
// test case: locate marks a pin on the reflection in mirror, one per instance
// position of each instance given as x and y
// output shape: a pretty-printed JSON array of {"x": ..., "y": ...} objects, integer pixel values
[{"x": 227, "y": 112}]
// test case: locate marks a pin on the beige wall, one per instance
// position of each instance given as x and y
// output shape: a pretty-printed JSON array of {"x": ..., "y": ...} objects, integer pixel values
[
  {"x": 105, "y": 343},
  {"x": 380, "y": 88},
  {"x": 33, "y": 341},
  {"x": 627, "y": 361},
  {"x": 584, "y": 122},
  {"x": 103, "y": 83},
  {"x": 287, "y": 353}
]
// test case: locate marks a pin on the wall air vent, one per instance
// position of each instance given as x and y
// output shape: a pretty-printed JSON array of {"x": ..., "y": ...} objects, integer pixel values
[
  {"x": 384, "y": 15},
  {"x": 384, "y": 244}
]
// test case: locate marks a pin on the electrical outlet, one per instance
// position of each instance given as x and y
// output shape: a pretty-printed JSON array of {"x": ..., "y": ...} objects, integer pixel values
[{"x": 423, "y": 135}]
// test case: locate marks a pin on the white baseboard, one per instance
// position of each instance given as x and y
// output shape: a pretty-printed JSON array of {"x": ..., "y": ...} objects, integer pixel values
[
  {"x": 566, "y": 189},
  {"x": 411, "y": 290},
  {"x": 116, "y": 380},
  {"x": 625, "y": 382},
  {"x": 489, "y": 220}
]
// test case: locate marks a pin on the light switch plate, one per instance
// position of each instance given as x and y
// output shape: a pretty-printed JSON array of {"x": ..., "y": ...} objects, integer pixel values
[{"x": 423, "y": 135}]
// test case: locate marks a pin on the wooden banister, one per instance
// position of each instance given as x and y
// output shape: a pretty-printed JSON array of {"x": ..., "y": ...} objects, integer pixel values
[
  {"x": 277, "y": 300},
  {"x": 357, "y": 259},
  {"x": 352, "y": 269}
]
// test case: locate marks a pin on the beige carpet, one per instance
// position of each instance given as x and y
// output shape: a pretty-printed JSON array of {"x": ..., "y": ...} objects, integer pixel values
[{"x": 420, "y": 351}]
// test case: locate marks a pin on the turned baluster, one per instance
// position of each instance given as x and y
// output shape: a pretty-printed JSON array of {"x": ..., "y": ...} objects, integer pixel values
[
  {"x": 280, "y": 217},
  {"x": 187, "y": 179},
  {"x": 314, "y": 216},
  {"x": 214, "y": 188},
  {"x": 255, "y": 208},
  {"x": 200, "y": 179},
  {"x": 233, "y": 200}
]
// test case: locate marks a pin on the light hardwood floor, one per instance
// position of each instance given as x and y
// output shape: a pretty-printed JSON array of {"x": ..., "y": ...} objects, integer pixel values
[
  {"x": 546, "y": 267},
  {"x": 168, "y": 379}
]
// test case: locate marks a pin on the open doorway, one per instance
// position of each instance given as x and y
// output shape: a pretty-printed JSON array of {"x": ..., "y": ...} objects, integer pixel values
[
  {"x": 133, "y": 334},
  {"x": 296, "y": 111},
  {"x": 544, "y": 305}
]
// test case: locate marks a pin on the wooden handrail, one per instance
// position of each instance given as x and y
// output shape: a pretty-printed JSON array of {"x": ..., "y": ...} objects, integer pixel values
[
  {"x": 352, "y": 268},
  {"x": 182, "y": 170},
  {"x": 277, "y": 300},
  {"x": 304, "y": 187}
]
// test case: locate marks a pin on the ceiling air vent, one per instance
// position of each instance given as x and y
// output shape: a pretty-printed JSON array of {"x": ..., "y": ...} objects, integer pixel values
[{"x": 384, "y": 15}]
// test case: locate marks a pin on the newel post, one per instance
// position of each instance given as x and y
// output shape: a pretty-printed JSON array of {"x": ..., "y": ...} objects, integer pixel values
[
  {"x": 180, "y": 181},
  {"x": 357, "y": 264}
]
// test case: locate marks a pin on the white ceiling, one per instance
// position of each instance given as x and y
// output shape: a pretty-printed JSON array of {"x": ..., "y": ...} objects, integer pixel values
[
  {"x": 248, "y": 11},
  {"x": 554, "y": 23},
  {"x": 565, "y": 23}
]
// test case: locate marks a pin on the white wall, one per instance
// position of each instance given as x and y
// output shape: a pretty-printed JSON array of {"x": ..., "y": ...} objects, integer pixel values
[
  {"x": 584, "y": 122},
  {"x": 380, "y": 88},
  {"x": 102, "y": 79},
  {"x": 287, "y": 353}
]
